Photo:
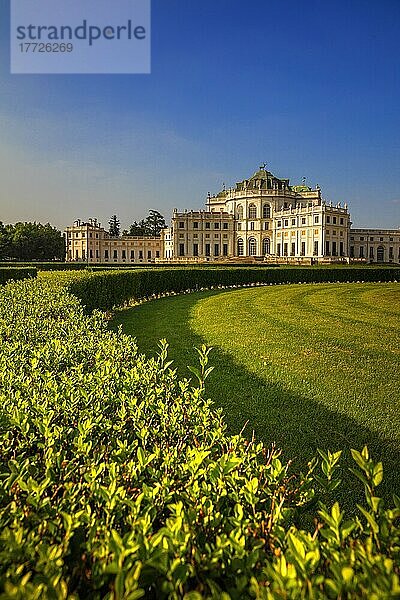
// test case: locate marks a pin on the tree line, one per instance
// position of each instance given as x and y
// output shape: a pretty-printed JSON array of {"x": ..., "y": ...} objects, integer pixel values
[
  {"x": 31, "y": 241},
  {"x": 151, "y": 226},
  {"x": 35, "y": 241}
]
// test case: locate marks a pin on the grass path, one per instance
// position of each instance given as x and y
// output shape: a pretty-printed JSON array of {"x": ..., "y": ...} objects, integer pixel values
[{"x": 306, "y": 366}]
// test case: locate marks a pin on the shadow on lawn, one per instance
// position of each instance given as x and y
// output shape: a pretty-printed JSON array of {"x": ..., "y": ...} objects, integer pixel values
[{"x": 297, "y": 424}]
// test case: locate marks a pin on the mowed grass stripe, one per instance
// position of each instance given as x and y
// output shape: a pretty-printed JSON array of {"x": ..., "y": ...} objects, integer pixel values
[{"x": 306, "y": 365}]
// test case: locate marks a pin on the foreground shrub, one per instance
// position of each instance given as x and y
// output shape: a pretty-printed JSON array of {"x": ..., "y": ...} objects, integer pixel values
[{"x": 119, "y": 481}]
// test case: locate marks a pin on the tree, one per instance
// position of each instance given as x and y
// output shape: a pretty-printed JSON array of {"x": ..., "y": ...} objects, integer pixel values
[
  {"x": 138, "y": 228},
  {"x": 154, "y": 223},
  {"x": 5, "y": 243},
  {"x": 151, "y": 226},
  {"x": 31, "y": 241},
  {"x": 114, "y": 224}
]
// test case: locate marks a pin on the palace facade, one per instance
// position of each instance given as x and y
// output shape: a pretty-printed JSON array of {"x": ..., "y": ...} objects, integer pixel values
[{"x": 262, "y": 218}]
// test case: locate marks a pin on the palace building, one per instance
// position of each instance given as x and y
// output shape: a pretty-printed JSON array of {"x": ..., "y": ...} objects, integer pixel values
[{"x": 262, "y": 218}]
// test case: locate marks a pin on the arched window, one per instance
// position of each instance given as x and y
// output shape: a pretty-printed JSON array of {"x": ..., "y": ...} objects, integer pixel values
[
  {"x": 240, "y": 247},
  {"x": 266, "y": 211},
  {"x": 380, "y": 254},
  {"x": 252, "y": 211},
  {"x": 240, "y": 212},
  {"x": 252, "y": 247},
  {"x": 266, "y": 246}
]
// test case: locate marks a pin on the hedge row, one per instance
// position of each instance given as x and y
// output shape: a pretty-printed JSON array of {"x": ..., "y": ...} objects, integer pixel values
[
  {"x": 16, "y": 273},
  {"x": 107, "y": 289}
]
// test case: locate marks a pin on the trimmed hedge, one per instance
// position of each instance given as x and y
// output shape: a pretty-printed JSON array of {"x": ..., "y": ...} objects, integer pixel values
[
  {"x": 117, "y": 481},
  {"x": 107, "y": 289},
  {"x": 16, "y": 273}
]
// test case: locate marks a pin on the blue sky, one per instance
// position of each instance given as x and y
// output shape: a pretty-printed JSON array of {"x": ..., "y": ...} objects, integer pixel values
[{"x": 310, "y": 87}]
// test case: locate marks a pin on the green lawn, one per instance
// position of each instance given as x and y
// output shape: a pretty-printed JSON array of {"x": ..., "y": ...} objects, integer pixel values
[{"x": 306, "y": 365}]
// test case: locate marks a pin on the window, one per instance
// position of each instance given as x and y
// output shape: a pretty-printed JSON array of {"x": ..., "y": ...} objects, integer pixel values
[
  {"x": 390, "y": 252},
  {"x": 123, "y": 254},
  {"x": 208, "y": 251},
  {"x": 252, "y": 247},
  {"x": 97, "y": 254},
  {"x": 381, "y": 239},
  {"x": 390, "y": 239},
  {"x": 216, "y": 249},
  {"x": 361, "y": 239},
  {"x": 239, "y": 227},
  {"x": 195, "y": 225},
  {"x": 285, "y": 249},
  {"x": 266, "y": 211},
  {"x": 252, "y": 211},
  {"x": 106, "y": 254},
  {"x": 371, "y": 239},
  {"x": 351, "y": 251},
  {"x": 286, "y": 222},
  {"x": 341, "y": 220},
  {"x": 279, "y": 223},
  {"x": 90, "y": 234},
  {"x": 208, "y": 225},
  {"x": 157, "y": 254},
  {"x": 181, "y": 249},
  {"x": 293, "y": 222},
  {"x": 266, "y": 246},
  {"x": 216, "y": 225},
  {"x": 316, "y": 219},
  {"x": 181, "y": 225},
  {"x": 328, "y": 219},
  {"x": 303, "y": 249},
  {"x": 240, "y": 247},
  {"x": 327, "y": 248},
  {"x": 207, "y": 235},
  {"x": 182, "y": 236},
  {"x": 97, "y": 236},
  {"x": 341, "y": 251},
  {"x": 224, "y": 225},
  {"x": 240, "y": 212},
  {"x": 132, "y": 255},
  {"x": 216, "y": 236},
  {"x": 148, "y": 254},
  {"x": 115, "y": 254},
  {"x": 361, "y": 254},
  {"x": 266, "y": 225},
  {"x": 278, "y": 249},
  {"x": 303, "y": 220},
  {"x": 225, "y": 250},
  {"x": 224, "y": 235},
  {"x": 334, "y": 249},
  {"x": 334, "y": 220},
  {"x": 316, "y": 248},
  {"x": 91, "y": 253},
  {"x": 380, "y": 254},
  {"x": 140, "y": 254},
  {"x": 195, "y": 249},
  {"x": 292, "y": 249},
  {"x": 371, "y": 252},
  {"x": 252, "y": 226}
]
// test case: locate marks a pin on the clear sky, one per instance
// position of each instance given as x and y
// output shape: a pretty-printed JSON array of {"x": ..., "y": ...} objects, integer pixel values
[{"x": 311, "y": 87}]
